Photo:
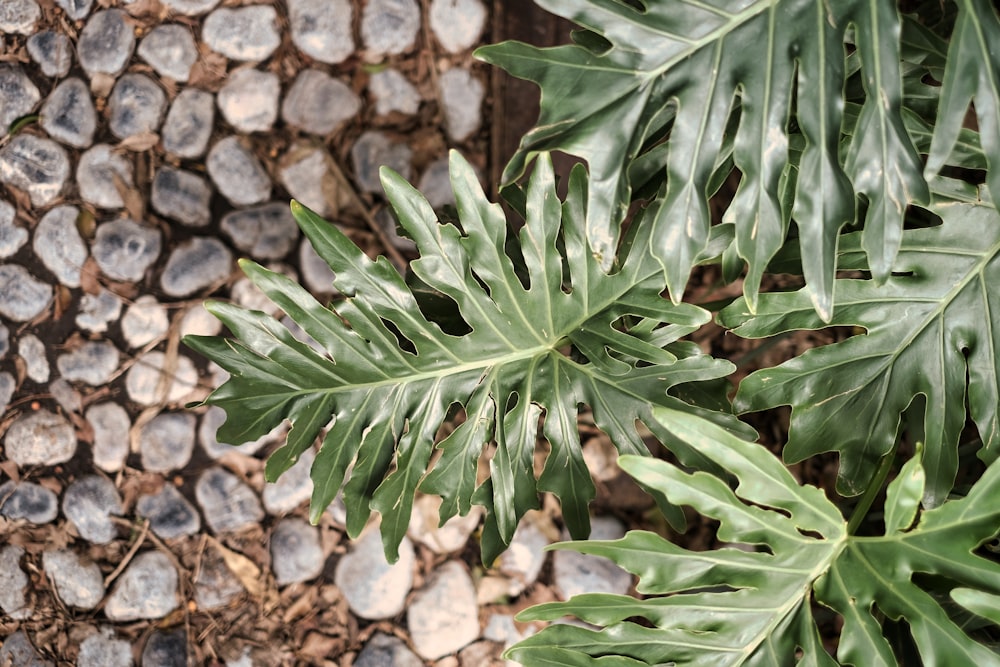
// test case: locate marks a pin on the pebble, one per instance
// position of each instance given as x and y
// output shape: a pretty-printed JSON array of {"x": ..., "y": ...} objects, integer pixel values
[
  {"x": 387, "y": 221},
  {"x": 170, "y": 50},
  {"x": 372, "y": 150},
  {"x": 147, "y": 589},
  {"x": 248, "y": 33},
  {"x": 249, "y": 100},
  {"x": 4, "y": 341},
  {"x": 293, "y": 488},
  {"x": 373, "y": 588},
  {"x": 105, "y": 44},
  {"x": 13, "y": 583},
  {"x": 124, "y": 249},
  {"x": 68, "y": 398},
  {"x": 144, "y": 321},
  {"x": 18, "y": 93},
  {"x": 228, "y": 504},
  {"x": 575, "y": 573},
  {"x": 22, "y": 296},
  {"x": 237, "y": 173},
  {"x": 68, "y": 114},
  {"x": 384, "y": 650},
  {"x": 94, "y": 362},
  {"x": 166, "y": 649},
  {"x": 136, "y": 106},
  {"x": 97, "y": 310},
  {"x": 32, "y": 351},
  {"x": 443, "y": 616},
  {"x": 170, "y": 514},
  {"x": 76, "y": 9},
  {"x": 264, "y": 232},
  {"x": 96, "y": 173},
  {"x": 78, "y": 582},
  {"x": 194, "y": 265},
  {"x": 12, "y": 237},
  {"x": 393, "y": 92},
  {"x": 7, "y": 386},
  {"x": 167, "y": 441},
  {"x": 30, "y": 501},
  {"x": 37, "y": 165},
  {"x": 457, "y": 24},
  {"x": 296, "y": 554},
  {"x": 197, "y": 321},
  {"x": 89, "y": 503},
  {"x": 110, "y": 423},
  {"x": 461, "y": 98},
  {"x": 17, "y": 651},
  {"x": 450, "y": 537},
  {"x": 500, "y": 628},
  {"x": 182, "y": 196},
  {"x": 303, "y": 173},
  {"x": 191, "y": 7},
  {"x": 52, "y": 52},
  {"x": 189, "y": 122},
  {"x": 389, "y": 27},
  {"x": 435, "y": 185},
  {"x": 318, "y": 103},
  {"x": 58, "y": 244},
  {"x": 40, "y": 438},
  {"x": 103, "y": 650},
  {"x": 19, "y": 16},
  {"x": 214, "y": 418},
  {"x": 143, "y": 379},
  {"x": 216, "y": 586},
  {"x": 321, "y": 29},
  {"x": 316, "y": 273},
  {"x": 250, "y": 297}
]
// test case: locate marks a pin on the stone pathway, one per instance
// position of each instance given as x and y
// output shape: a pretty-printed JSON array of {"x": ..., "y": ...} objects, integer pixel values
[{"x": 144, "y": 146}]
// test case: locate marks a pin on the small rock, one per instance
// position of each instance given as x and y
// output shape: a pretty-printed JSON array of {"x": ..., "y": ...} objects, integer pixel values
[
  {"x": 389, "y": 27},
  {"x": 189, "y": 122},
  {"x": 304, "y": 173},
  {"x": 4, "y": 341},
  {"x": 318, "y": 103},
  {"x": 216, "y": 585},
  {"x": 443, "y": 616},
  {"x": 316, "y": 273},
  {"x": 36, "y": 165},
  {"x": 147, "y": 589},
  {"x": 321, "y": 29},
  {"x": 29, "y": 501},
  {"x": 480, "y": 654},
  {"x": 53, "y": 53},
  {"x": 136, "y": 106},
  {"x": 124, "y": 249},
  {"x": 96, "y": 174},
  {"x": 167, "y": 441},
  {"x": 457, "y": 24},
  {"x": 170, "y": 50},
  {"x": 7, "y": 386},
  {"x": 372, "y": 150},
  {"x": 373, "y": 588},
  {"x": 228, "y": 504},
  {"x": 197, "y": 321},
  {"x": 68, "y": 114},
  {"x": 190, "y": 7},
  {"x": 450, "y": 537},
  {"x": 170, "y": 514},
  {"x": 32, "y": 352},
  {"x": 461, "y": 97},
  {"x": 144, "y": 321},
  {"x": 22, "y": 297},
  {"x": 239, "y": 175},
  {"x": 12, "y": 237},
  {"x": 17, "y": 651},
  {"x": 387, "y": 222},
  {"x": 18, "y": 94},
  {"x": 88, "y": 503},
  {"x": 182, "y": 196},
  {"x": 106, "y": 43},
  {"x": 435, "y": 185},
  {"x": 58, "y": 244},
  {"x": 68, "y": 398},
  {"x": 194, "y": 265},
  {"x": 575, "y": 573},
  {"x": 384, "y": 650},
  {"x": 19, "y": 16},
  {"x": 249, "y": 100},
  {"x": 76, "y": 9},
  {"x": 111, "y": 424},
  {"x": 247, "y": 33},
  {"x": 293, "y": 488},
  {"x": 78, "y": 582},
  {"x": 97, "y": 310},
  {"x": 40, "y": 438},
  {"x": 296, "y": 554},
  {"x": 214, "y": 418},
  {"x": 393, "y": 92},
  {"x": 166, "y": 649},
  {"x": 94, "y": 362},
  {"x": 13, "y": 583},
  {"x": 500, "y": 628},
  {"x": 142, "y": 382},
  {"x": 103, "y": 650},
  {"x": 265, "y": 232}
]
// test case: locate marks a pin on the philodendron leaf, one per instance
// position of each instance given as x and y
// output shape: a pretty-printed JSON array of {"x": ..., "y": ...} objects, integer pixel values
[
  {"x": 385, "y": 378},
  {"x": 752, "y": 604},
  {"x": 933, "y": 329}
]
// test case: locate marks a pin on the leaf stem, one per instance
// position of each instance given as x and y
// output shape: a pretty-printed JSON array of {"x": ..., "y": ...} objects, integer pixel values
[{"x": 861, "y": 509}]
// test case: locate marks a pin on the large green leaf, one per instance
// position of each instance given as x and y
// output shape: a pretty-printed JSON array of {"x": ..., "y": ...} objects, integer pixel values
[
  {"x": 933, "y": 329},
  {"x": 388, "y": 377},
  {"x": 752, "y": 603}
]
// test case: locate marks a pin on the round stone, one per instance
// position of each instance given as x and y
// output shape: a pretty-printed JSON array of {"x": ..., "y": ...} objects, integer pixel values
[
  {"x": 32, "y": 352},
  {"x": 170, "y": 50},
  {"x": 247, "y": 33},
  {"x": 166, "y": 649},
  {"x": 170, "y": 514},
  {"x": 214, "y": 418},
  {"x": 105, "y": 44},
  {"x": 393, "y": 92},
  {"x": 305, "y": 174},
  {"x": 58, "y": 244},
  {"x": 78, "y": 582},
  {"x": 98, "y": 310},
  {"x": 144, "y": 321},
  {"x": 216, "y": 585},
  {"x": 22, "y": 296},
  {"x": 13, "y": 583},
  {"x": 94, "y": 362},
  {"x": 293, "y": 488},
  {"x": 444, "y": 616},
  {"x": 37, "y": 165},
  {"x": 12, "y": 237},
  {"x": 384, "y": 650},
  {"x": 111, "y": 424},
  {"x": 76, "y": 9},
  {"x": 19, "y": 16},
  {"x": 575, "y": 573},
  {"x": 190, "y": 7},
  {"x": 17, "y": 649},
  {"x": 228, "y": 504},
  {"x": 136, "y": 106},
  {"x": 265, "y": 232},
  {"x": 249, "y": 100},
  {"x": 167, "y": 441},
  {"x": 461, "y": 97},
  {"x": 124, "y": 249},
  {"x": 296, "y": 554},
  {"x": 147, "y": 589},
  {"x": 142, "y": 382},
  {"x": 451, "y": 537},
  {"x": 373, "y": 588},
  {"x": 316, "y": 273},
  {"x": 194, "y": 265},
  {"x": 197, "y": 321},
  {"x": 68, "y": 114},
  {"x": 319, "y": 104},
  {"x": 522, "y": 562},
  {"x": 435, "y": 184},
  {"x": 321, "y": 29},
  {"x": 99, "y": 175},
  {"x": 18, "y": 95},
  {"x": 457, "y": 24},
  {"x": 189, "y": 122},
  {"x": 53, "y": 53},
  {"x": 239, "y": 175},
  {"x": 27, "y": 500},
  {"x": 7, "y": 386},
  {"x": 103, "y": 650},
  {"x": 40, "y": 438},
  {"x": 389, "y": 27},
  {"x": 372, "y": 150},
  {"x": 182, "y": 195},
  {"x": 89, "y": 503}
]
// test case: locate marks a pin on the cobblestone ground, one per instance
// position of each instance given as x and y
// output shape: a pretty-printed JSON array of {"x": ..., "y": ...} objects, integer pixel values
[{"x": 144, "y": 146}]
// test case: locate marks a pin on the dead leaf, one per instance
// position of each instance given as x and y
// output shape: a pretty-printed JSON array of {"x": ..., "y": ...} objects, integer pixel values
[
  {"x": 101, "y": 84},
  {"x": 245, "y": 569},
  {"x": 140, "y": 142}
]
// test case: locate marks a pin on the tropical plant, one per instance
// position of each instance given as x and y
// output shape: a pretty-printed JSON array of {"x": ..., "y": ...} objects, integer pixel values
[{"x": 875, "y": 129}]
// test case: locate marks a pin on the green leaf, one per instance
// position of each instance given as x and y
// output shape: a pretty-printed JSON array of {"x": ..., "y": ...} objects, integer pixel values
[
  {"x": 933, "y": 329},
  {"x": 387, "y": 378},
  {"x": 902, "y": 498},
  {"x": 752, "y": 603},
  {"x": 982, "y": 603}
]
